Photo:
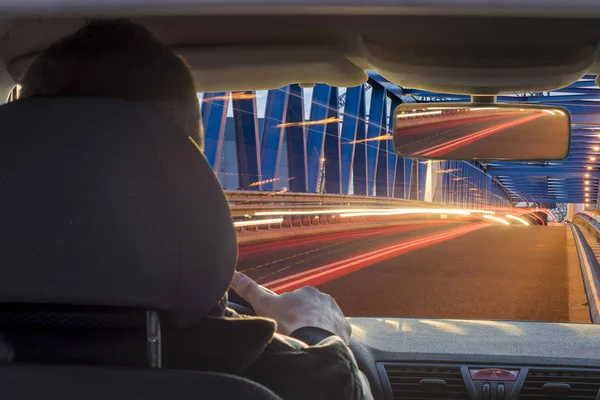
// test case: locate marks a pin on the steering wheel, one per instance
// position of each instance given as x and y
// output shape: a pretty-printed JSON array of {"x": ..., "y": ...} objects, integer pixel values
[{"x": 238, "y": 304}]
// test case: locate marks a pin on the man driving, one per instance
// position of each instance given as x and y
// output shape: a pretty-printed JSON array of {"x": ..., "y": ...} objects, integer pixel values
[{"x": 305, "y": 354}]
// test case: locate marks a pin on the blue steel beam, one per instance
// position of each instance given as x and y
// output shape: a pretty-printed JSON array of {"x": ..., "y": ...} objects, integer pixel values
[
  {"x": 247, "y": 140},
  {"x": 359, "y": 165},
  {"x": 543, "y": 171},
  {"x": 552, "y": 183},
  {"x": 332, "y": 147},
  {"x": 296, "y": 140},
  {"x": 582, "y": 106},
  {"x": 350, "y": 123},
  {"x": 580, "y": 90},
  {"x": 376, "y": 128},
  {"x": 316, "y": 133},
  {"x": 539, "y": 188},
  {"x": 381, "y": 176},
  {"x": 531, "y": 186},
  {"x": 546, "y": 195},
  {"x": 393, "y": 89},
  {"x": 214, "y": 116},
  {"x": 542, "y": 191},
  {"x": 452, "y": 188},
  {"x": 582, "y": 83},
  {"x": 272, "y": 135},
  {"x": 461, "y": 184},
  {"x": 392, "y": 158},
  {"x": 557, "y": 186}
]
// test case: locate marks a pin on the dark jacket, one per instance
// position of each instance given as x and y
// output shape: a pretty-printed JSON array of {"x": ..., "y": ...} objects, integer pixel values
[
  {"x": 249, "y": 346},
  {"x": 308, "y": 364},
  {"x": 239, "y": 345}
]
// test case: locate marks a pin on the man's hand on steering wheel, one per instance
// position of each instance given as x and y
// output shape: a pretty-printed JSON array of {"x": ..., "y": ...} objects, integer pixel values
[{"x": 304, "y": 307}]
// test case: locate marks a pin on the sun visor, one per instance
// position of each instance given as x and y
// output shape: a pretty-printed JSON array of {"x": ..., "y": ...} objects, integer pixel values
[
  {"x": 270, "y": 67},
  {"x": 466, "y": 72}
]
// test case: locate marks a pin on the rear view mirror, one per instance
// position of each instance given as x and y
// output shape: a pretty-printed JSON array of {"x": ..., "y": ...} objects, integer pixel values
[{"x": 466, "y": 131}]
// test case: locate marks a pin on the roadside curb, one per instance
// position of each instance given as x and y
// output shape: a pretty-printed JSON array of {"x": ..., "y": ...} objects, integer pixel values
[{"x": 590, "y": 278}]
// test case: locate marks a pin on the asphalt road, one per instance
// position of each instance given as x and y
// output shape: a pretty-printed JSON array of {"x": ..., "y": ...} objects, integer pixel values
[
  {"x": 438, "y": 269},
  {"x": 513, "y": 135}
]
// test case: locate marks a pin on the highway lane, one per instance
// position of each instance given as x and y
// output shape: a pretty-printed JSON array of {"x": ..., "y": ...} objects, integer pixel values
[
  {"x": 266, "y": 262},
  {"x": 426, "y": 270}
]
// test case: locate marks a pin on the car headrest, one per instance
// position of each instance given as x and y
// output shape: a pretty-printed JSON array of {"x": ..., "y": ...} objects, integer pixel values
[{"x": 106, "y": 203}]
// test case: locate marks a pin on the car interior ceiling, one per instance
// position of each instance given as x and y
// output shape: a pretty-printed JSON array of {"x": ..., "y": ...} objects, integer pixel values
[{"x": 338, "y": 49}]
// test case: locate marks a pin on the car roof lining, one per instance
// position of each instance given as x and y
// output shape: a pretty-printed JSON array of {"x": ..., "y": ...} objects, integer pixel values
[
  {"x": 520, "y": 8},
  {"x": 280, "y": 49}
]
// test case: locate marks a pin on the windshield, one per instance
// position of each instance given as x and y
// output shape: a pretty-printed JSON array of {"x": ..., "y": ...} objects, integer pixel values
[{"x": 319, "y": 197}]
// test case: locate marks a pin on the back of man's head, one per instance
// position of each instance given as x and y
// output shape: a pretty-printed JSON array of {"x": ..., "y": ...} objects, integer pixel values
[{"x": 118, "y": 59}]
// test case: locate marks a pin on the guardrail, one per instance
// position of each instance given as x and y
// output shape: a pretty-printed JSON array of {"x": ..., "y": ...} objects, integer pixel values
[
  {"x": 589, "y": 221},
  {"x": 265, "y": 210},
  {"x": 295, "y": 221},
  {"x": 588, "y": 260},
  {"x": 246, "y": 203},
  {"x": 588, "y": 264}
]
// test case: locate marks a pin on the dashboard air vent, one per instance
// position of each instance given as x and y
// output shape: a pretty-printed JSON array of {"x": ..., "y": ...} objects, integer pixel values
[
  {"x": 561, "y": 383},
  {"x": 417, "y": 382}
]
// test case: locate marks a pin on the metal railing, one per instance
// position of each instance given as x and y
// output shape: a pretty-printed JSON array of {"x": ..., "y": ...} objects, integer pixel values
[
  {"x": 312, "y": 209},
  {"x": 588, "y": 259},
  {"x": 588, "y": 221},
  {"x": 246, "y": 203}
]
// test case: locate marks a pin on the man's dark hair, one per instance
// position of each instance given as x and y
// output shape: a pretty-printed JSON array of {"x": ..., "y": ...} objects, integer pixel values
[{"x": 118, "y": 59}]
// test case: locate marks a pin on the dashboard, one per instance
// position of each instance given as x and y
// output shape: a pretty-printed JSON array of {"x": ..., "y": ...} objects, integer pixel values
[{"x": 477, "y": 359}]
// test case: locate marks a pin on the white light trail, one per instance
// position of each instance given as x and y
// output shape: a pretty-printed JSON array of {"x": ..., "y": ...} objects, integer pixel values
[
  {"x": 258, "y": 222},
  {"x": 311, "y": 212},
  {"x": 515, "y": 218},
  {"x": 400, "y": 116},
  {"x": 356, "y": 212},
  {"x": 502, "y": 221},
  {"x": 404, "y": 211}
]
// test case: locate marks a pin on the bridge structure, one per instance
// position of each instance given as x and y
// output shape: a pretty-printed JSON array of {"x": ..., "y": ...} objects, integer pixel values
[{"x": 330, "y": 140}]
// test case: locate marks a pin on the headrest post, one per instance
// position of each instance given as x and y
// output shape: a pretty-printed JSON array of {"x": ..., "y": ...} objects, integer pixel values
[{"x": 153, "y": 341}]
